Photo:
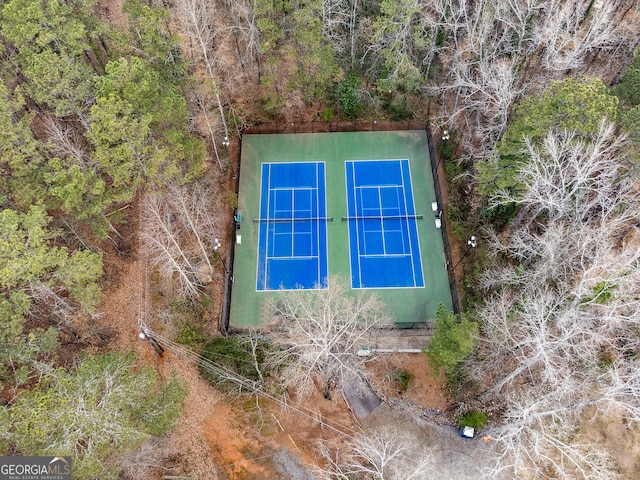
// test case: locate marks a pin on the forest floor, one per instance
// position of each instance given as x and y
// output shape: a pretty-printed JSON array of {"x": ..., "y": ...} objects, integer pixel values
[{"x": 243, "y": 437}]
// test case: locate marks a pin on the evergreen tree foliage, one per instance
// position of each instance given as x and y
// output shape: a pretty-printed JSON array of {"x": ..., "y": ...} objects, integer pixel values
[
  {"x": 22, "y": 164},
  {"x": 52, "y": 39},
  {"x": 452, "y": 340},
  {"x": 402, "y": 46},
  {"x": 315, "y": 68},
  {"x": 628, "y": 91},
  {"x": 20, "y": 349},
  {"x": 577, "y": 105},
  {"x": 138, "y": 129},
  {"x": 628, "y": 88},
  {"x": 239, "y": 355},
  {"x": 28, "y": 259},
  {"x": 148, "y": 37},
  {"x": 316, "y": 65},
  {"x": 348, "y": 95},
  {"x": 78, "y": 191},
  {"x": 103, "y": 407},
  {"x": 630, "y": 124}
]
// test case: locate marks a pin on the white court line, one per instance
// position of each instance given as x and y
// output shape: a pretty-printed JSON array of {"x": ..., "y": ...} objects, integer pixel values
[
  {"x": 262, "y": 166},
  {"x": 293, "y": 224},
  {"x": 383, "y": 230},
  {"x": 293, "y": 257},
  {"x": 317, "y": 223},
  {"x": 288, "y": 235},
  {"x": 405, "y": 226},
  {"x": 272, "y": 239},
  {"x": 417, "y": 238},
  {"x": 404, "y": 191},
  {"x": 405, "y": 212},
  {"x": 346, "y": 188},
  {"x": 266, "y": 263},
  {"x": 384, "y": 244},
  {"x": 355, "y": 201}
]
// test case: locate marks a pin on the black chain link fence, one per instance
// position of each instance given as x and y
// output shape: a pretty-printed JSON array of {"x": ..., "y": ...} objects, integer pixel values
[
  {"x": 339, "y": 126},
  {"x": 435, "y": 163},
  {"x": 333, "y": 126}
]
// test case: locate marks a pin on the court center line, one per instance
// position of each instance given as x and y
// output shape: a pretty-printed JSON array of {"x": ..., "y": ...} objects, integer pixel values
[
  {"x": 294, "y": 257},
  {"x": 293, "y": 224},
  {"x": 386, "y": 255},
  {"x": 398, "y": 200},
  {"x": 384, "y": 243}
]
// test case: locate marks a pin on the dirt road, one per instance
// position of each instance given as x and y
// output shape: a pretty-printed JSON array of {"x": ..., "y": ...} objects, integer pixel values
[{"x": 454, "y": 457}]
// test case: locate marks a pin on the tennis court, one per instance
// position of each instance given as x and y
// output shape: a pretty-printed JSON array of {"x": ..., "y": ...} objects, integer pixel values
[
  {"x": 383, "y": 234},
  {"x": 292, "y": 245},
  {"x": 353, "y": 204}
]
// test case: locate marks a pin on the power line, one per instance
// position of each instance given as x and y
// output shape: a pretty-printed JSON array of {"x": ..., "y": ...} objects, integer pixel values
[{"x": 253, "y": 387}]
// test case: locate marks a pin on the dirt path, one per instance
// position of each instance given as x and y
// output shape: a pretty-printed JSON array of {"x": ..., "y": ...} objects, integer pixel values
[
  {"x": 453, "y": 457},
  {"x": 217, "y": 437},
  {"x": 240, "y": 438}
]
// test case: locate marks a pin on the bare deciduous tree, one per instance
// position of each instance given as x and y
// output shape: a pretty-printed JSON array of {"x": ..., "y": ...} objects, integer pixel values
[
  {"x": 383, "y": 454},
  {"x": 322, "y": 330},
  {"x": 560, "y": 332},
  {"x": 245, "y": 31},
  {"x": 180, "y": 231},
  {"x": 65, "y": 140},
  {"x": 339, "y": 25},
  {"x": 196, "y": 18},
  {"x": 495, "y": 51},
  {"x": 568, "y": 31},
  {"x": 144, "y": 462},
  {"x": 485, "y": 91},
  {"x": 538, "y": 438}
]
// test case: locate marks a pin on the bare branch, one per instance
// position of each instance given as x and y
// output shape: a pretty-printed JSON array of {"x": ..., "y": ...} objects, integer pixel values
[
  {"x": 180, "y": 232},
  {"x": 322, "y": 331},
  {"x": 382, "y": 454}
]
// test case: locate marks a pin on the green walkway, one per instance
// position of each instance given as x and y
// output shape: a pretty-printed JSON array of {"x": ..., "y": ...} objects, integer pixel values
[{"x": 407, "y": 305}]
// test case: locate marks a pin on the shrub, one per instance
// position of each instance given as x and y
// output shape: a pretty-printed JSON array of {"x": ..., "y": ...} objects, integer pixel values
[
  {"x": 403, "y": 378},
  {"x": 236, "y": 354},
  {"x": 347, "y": 95},
  {"x": 474, "y": 419}
]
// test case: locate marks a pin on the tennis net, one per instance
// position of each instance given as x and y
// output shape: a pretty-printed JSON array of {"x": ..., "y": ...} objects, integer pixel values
[
  {"x": 290, "y": 220},
  {"x": 382, "y": 217}
]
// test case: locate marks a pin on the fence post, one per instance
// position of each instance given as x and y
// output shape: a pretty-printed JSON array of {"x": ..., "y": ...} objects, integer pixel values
[
  {"x": 433, "y": 158},
  {"x": 223, "y": 322}
]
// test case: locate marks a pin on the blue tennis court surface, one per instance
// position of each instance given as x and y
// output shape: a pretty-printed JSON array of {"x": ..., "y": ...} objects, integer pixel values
[
  {"x": 292, "y": 238},
  {"x": 383, "y": 234}
]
